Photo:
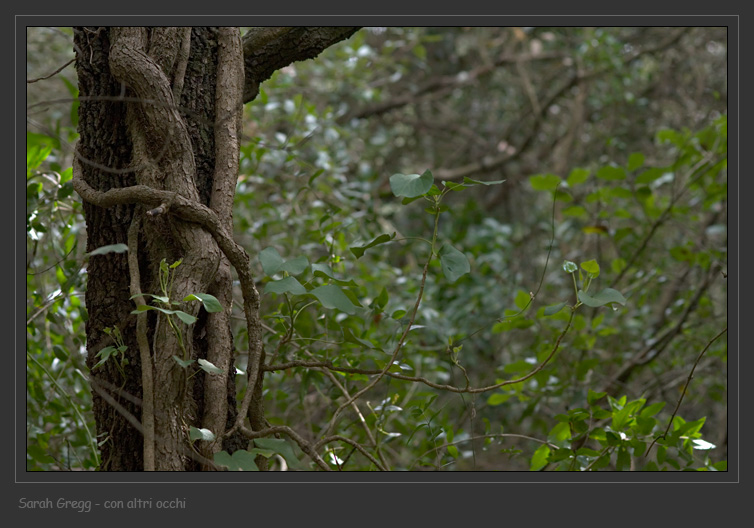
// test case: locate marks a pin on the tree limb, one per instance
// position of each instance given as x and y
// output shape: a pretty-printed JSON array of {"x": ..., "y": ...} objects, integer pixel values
[{"x": 268, "y": 49}]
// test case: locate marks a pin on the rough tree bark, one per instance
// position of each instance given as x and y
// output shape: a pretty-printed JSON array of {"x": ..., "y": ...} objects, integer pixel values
[{"x": 156, "y": 165}]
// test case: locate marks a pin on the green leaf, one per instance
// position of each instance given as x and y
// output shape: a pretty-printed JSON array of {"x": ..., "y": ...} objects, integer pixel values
[
  {"x": 348, "y": 337},
  {"x": 651, "y": 410},
  {"x": 411, "y": 185},
  {"x": 454, "y": 263},
  {"x": 539, "y": 458},
  {"x": 690, "y": 428},
  {"x": 592, "y": 397},
  {"x": 240, "y": 461},
  {"x": 201, "y": 434},
  {"x": 271, "y": 261},
  {"x": 592, "y": 268},
  {"x": 635, "y": 161},
  {"x": 612, "y": 439},
  {"x": 650, "y": 175},
  {"x": 621, "y": 418},
  {"x": 183, "y": 363},
  {"x": 555, "y": 308},
  {"x": 611, "y": 173},
  {"x": 331, "y": 296},
  {"x": 105, "y": 354},
  {"x": 60, "y": 352},
  {"x": 358, "y": 251},
  {"x": 569, "y": 267},
  {"x": 295, "y": 266},
  {"x": 398, "y": 314},
  {"x": 65, "y": 190},
  {"x": 319, "y": 269},
  {"x": 498, "y": 398},
  {"x": 380, "y": 301},
  {"x": 206, "y": 366},
  {"x": 113, "y": 248},
  {"x": 210, "y": 302},
  {"x": 606, "y": 296},
  {"x": 618, "y": 265},
  {"x": 34, "y": 139},
  {"x": 286, "y": 285},
  {"x": 624, "y": 459},
  {"x": 39, "y": 454},
  {"x": 283, "y": 448},
  {"x": 522, "y": 300},
  {"x": 183, "y": 316},
  {"x": 561, "y": 431},
  {"x": 544, "y": 182},
  {"x": 577, "y": 211},
  {"x": 577, "y": 176}
]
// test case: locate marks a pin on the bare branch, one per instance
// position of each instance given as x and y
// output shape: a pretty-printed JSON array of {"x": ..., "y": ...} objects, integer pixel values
[{"x": 29, "y": 81}]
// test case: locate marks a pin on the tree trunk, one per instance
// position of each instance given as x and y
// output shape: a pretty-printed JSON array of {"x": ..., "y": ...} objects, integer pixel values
[
  {"x": 147, "y": 117},
  {"x": 157, "y": 160}
]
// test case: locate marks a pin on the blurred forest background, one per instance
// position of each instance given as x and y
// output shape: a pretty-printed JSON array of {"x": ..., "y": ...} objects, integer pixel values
[{"x": 612, "y": 144}]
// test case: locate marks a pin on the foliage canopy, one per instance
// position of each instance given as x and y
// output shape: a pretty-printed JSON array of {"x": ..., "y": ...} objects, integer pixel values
[{"x": 479, "y": 249}]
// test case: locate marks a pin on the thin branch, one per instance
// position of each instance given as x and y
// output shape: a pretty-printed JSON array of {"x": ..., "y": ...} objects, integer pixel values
[
  {"x": 685, "y": 388},
  {"x": 663, "y": 341},
  {"x": 355, "y": 407},
  {"x": 398, "y": 346},
  {"x": 356, "y": 445},
  {"x": 29, "y": 81},
  {"x": 450, "y": 388}
]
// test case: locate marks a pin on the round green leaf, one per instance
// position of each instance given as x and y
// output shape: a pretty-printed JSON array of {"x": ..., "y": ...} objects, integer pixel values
[
  {"x": 544, "y": 182},
  {"x": 411, "y": 185},
  {"x": 286, "y": 285},
  {"x": 282, "y": 447},
  {"x": 271, "y": 261},
  {"x": 606, "y": 296},
  {"x": 611, "y": 172},
  {"x": 183, "y": 316},
  {"x": 577, "y": 176},
  {"x": 635, "y": 161},
  {"x": 454, "y": 263},
  {"x": 331, "y": 296},
  {"x": 569, "y": 267},
  {"x": 240, "y": 461},
  {"x": 295, "y": 266},
  {"x": 319, "y": 269},
  {"x": 555, "y": 308},
  {"x": 210, "y": 302},
  {"x": 591, "y": 267}
]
